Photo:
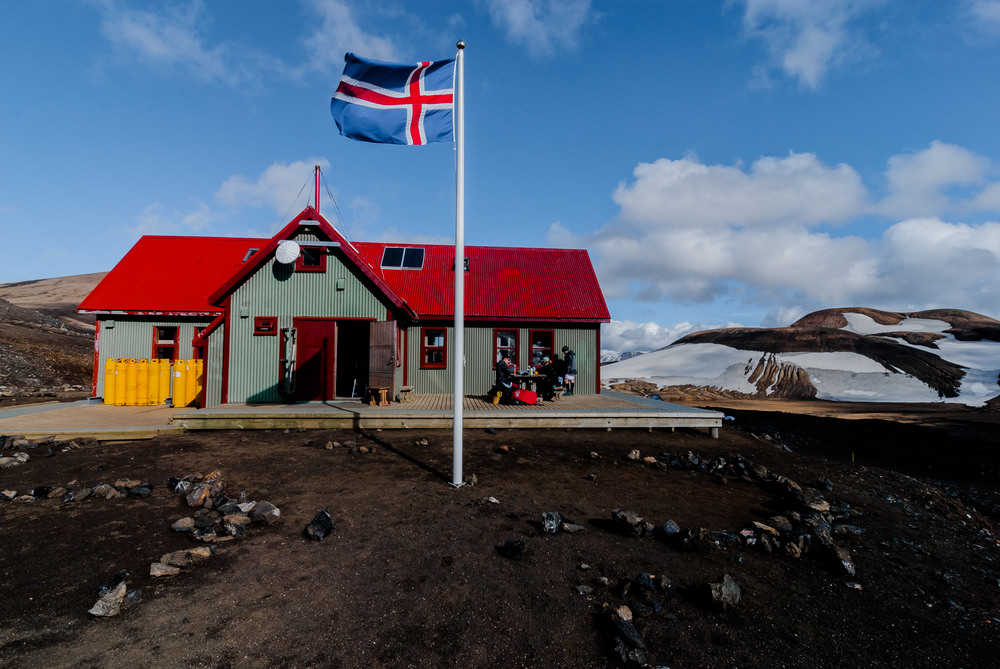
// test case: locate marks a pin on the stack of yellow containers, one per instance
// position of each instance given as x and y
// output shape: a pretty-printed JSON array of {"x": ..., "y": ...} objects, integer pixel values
[{"x": 131, "y": 382}]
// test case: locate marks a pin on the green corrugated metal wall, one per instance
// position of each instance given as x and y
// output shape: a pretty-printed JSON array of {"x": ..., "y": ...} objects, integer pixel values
[
  {"x": 213, "y": 367},
  {"x": 133, "y": 338},
  {"x": 479, "y": 375},
  {"x": 277, "y": 290}
]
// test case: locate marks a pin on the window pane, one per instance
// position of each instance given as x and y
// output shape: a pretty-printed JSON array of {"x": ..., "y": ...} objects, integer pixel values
[
  {"x": 310, "y": 257},
  {"x": 506, "y": 338},
  {"x": 413, "y": 258},
  {"x": 392, "y": 257}
]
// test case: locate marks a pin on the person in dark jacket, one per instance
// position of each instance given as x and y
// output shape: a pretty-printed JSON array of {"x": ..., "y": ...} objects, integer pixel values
[
  {"x": 569, "y": 362},
  {"x": 503, "y": 386}
]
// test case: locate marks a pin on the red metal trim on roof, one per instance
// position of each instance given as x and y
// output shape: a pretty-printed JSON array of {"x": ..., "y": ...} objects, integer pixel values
[
  {"x": 348, "y": 249},
  {"x": 173, "y": 276},
  {"x": 508, "y": 284},
  {"x": 168, "y": 276}
]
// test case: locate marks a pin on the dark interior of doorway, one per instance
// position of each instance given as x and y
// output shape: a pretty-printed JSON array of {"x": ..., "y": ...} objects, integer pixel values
[{"x": 352, "y": 358}]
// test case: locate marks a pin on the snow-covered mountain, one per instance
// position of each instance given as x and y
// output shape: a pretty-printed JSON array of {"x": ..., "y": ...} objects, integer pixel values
[
  {"x": 851, "y": 354},
  {"x": 617, "y": 356}
]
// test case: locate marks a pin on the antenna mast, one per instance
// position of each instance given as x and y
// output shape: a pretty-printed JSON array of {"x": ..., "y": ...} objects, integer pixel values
[{"x": 316, "y": 200}]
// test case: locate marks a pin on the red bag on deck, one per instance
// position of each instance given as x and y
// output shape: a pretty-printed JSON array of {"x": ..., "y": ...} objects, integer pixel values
[{"x": 523, "y": 396}]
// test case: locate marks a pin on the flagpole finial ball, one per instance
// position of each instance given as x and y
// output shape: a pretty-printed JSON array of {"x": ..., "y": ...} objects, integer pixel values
[{"x": 461, "y": 44}]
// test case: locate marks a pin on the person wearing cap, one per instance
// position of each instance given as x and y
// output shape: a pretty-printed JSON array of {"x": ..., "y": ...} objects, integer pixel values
[
  {"x": 569, "y": 362},
  {"x": 505, "y": 370},
  {"x": 547, "y": 381}
]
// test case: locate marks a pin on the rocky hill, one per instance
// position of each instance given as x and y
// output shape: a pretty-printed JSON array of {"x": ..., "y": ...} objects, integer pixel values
[
  {"x": 46, "y": 349},
  {"x": 853, "y": 354}
]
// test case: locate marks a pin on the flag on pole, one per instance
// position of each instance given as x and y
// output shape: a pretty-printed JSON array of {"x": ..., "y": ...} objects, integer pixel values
[{"x": 391, "y": 103}]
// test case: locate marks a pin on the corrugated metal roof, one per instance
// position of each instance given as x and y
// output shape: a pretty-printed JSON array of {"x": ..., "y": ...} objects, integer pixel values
[
  {"x": 179, "y": 274},
  {"x": 502, "y": 283},
  {"x": 170, "y": 274}
]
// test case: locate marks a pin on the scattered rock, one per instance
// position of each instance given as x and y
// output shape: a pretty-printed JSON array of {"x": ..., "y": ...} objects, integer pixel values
[
  {"x": 265, "y": 512},
  {"x": 628, "y": 523},
  {"x": 109, "y": 604},
  {"x": 183, "y": 525},
  {"x": 512, "y": 548},
  {"x": 320, "y": 526},
  {"x": 551, "y": 521},
  {"x": 159, "y": 570},
  {"x": 723, "y": 594}
]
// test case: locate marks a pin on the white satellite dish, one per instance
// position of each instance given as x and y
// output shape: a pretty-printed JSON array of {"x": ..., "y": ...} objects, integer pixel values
[{"x": 287, "y": 252}]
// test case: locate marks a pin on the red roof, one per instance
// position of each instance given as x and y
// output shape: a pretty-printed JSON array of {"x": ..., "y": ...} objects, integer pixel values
[
  {"x": 191, "y": 275},
  {"x": 172, "y": 275},
  {"x": 502, "y": 283}
]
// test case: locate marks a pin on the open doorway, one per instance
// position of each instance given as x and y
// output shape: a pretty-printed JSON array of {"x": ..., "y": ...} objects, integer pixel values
[{"x": 352, "y": 358}]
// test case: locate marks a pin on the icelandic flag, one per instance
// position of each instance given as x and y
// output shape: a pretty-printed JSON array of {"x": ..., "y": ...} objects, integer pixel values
[{"x": 391, "y": 103}]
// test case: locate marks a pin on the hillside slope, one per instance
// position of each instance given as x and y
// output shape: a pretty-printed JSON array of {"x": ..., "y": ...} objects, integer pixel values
[
  {"x": 45, "y": 349},
  {"x": 850, "y": 354}
]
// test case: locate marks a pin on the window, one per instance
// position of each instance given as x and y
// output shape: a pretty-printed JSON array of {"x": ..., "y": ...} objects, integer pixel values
[
  {"x": 265, "y": 325},
  {"x": 311, "y": 259},
  {"x": 504, "y": 341},
  {"x": 165, "y": 342},
  {"x": 249, "y": 254},
  {"x": 432, "y": 348},
  {"x": 541, "y": 345},
  {"x": 396, "y": 257}
]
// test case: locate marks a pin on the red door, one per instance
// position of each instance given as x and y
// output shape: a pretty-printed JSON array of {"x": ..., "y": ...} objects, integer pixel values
[{"x": 316, "y": 357}]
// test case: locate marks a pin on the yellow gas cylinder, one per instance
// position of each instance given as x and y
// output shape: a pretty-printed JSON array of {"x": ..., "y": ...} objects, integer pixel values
[
  {"x": 153, "y": 382},
  {"x": 120, "y": 382},
  {"x": 164, "y": 391},
  {"x": 142, "y": 382},
  {"x": 179, "y": 386},
  {"x": 192, "y": 382},
  {"x": 109, "y": 381},
  {"x": 200, "y": 367},
  {"x": 131, "y": 378}
]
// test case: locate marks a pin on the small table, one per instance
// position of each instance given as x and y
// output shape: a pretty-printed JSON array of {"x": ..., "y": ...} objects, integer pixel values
[
  {"x": 530, "y": 380},
  {"x": 378, "y": 396}
]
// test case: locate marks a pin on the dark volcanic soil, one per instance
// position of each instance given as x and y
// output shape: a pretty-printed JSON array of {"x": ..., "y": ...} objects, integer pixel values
[{"x": 411, "y": 575}]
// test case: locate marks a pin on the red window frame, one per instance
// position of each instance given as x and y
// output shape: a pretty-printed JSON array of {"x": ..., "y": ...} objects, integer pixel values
[
  {"x": 316, "y": 258},
  {"x": 161, "y": 344},
  {"x": 541, "y": 350},
  {"x": 497, "y": 348},
  {"x": 265, "y": 326},
  {"x": 441, "y": 350}
]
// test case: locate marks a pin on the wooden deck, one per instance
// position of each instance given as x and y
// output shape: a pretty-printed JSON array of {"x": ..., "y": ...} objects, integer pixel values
[{"x": 607, "y": 410}]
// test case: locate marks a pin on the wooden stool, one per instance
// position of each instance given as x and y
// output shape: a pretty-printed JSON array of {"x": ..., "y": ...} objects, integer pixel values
[
  {"x": 405, "y": 394},
  {"x": 378, "y": 396}
]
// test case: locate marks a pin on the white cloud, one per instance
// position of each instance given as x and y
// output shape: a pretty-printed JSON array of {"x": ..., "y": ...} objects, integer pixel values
[
  {"x": 985, "y": 15},
  {"x": 690, "y": 233},
  {"x": 541, "y": 26},
  {"x": 927, "y": 261},
  {"x": 156, "y": 220},
  {"x": 798, "y": 189},
  {"x": 280, "y": 187},
  {"x": 631, "y": 336},
  {"x": 340, "y": 32},
  {"x": 806, "y": 38},
  {"x": 171, "y": 39},
  {"x": 918, "y": 181},
  {"x": 176, "y": 38}
]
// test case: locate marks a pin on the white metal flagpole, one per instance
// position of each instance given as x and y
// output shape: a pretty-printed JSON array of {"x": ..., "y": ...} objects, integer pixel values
[{"x": 459, "y": 364}]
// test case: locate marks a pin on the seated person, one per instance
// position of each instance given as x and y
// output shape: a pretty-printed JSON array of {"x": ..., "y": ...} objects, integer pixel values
[
  {"x": 502, "y": 387},
  {"x": 547, "y": 380}
]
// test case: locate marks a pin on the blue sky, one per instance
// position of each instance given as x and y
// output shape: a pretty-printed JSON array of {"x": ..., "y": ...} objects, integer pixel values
[{"x": 723, "y": 161}]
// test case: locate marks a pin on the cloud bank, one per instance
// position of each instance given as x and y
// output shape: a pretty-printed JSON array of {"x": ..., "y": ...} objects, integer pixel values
[{"x": 793, "y": 234}]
